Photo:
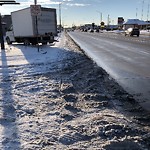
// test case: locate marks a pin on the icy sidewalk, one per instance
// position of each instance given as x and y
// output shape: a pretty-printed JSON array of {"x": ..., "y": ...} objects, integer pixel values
[
  {"x": 21, "y": 55},
  {"x": 59, "y": 99},
  {"x": 18, "y": 65}
]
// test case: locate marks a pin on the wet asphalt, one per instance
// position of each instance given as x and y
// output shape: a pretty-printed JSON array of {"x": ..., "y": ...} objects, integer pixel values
[{"x": 126, "y": 59}]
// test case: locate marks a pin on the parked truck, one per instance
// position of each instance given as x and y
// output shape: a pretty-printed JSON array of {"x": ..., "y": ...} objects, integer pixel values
[{"x": 30, "y": 29}]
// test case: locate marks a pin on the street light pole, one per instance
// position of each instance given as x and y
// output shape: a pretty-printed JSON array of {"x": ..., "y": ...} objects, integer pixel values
[
  {"x": 148, "y": 13},
  {"x": 142, "y": 10},
  {"x": 136, "y": 12},
  {"x": 60, "y": 14},
  {"x": 101, "y": 17},
  {"x": 100, "y": 14},
  {"x": 108, "y": 20}
]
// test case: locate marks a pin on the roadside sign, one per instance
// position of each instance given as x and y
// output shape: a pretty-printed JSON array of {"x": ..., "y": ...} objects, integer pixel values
[
  {"x": 102, "y": 23},
  {"x": 120, "y": 20},
  {"x": 35, "y": 10}
]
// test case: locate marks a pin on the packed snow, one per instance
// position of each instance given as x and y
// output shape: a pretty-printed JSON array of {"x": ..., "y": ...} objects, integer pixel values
[{"x": 56, "y": 98}]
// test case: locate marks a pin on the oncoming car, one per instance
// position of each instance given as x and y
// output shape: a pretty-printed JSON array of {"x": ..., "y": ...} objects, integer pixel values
[{"x": 132, "y": 31}]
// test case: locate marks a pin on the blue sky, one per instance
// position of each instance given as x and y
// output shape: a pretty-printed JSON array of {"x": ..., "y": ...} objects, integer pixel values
[{"x": 80, "y": 12}]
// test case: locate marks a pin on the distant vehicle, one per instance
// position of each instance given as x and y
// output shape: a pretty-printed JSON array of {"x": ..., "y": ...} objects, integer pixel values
[
  {"x": 108, "y": 29},
  {"x": 85, "y": 30},
  {"x": 91, "y": 30},
  {"x": 132, "y": 31},
  {"x": 148, "y": 28},
  {"x": 58, "y": 31},
  {"x": 111, "y": 27},
  {"x": 24, "y": 30},
  {"x": 97, "y": 30}
]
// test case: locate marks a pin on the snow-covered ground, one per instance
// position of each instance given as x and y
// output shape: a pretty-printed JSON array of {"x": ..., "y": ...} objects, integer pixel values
[{"x": 58, "y": 99}]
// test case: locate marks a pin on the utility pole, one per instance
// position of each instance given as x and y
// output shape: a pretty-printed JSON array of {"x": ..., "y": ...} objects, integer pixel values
[
  {"x": 101, "y": 16},
  {"x": 108, "y": 20},
  {"x": 136, "y": 12},
  {"x": 148, "y": 13},
  {"x": 142, "y": 10},
  {"x": 36, "y": 24}
]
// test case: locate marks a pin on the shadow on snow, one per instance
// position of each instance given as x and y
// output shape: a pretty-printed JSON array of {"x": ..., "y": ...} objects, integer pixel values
[{"x": 10, "y": 135}]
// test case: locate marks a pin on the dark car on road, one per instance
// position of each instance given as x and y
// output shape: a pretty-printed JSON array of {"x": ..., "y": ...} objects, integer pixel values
[{"x": 132, "y": 32}]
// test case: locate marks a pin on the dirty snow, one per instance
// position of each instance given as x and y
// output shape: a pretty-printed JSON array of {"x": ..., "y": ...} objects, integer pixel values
[{"x": 59, "y": 99}]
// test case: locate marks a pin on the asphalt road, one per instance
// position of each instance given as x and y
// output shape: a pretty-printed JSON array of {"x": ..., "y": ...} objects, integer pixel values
[{"x": 126, "y": 59}]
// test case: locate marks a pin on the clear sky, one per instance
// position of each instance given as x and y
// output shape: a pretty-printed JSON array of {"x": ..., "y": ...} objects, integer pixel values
[{"x": 80, "y": 12}]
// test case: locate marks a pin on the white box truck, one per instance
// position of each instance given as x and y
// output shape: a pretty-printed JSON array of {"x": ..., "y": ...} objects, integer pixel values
[{"x": 29, "y": 29}]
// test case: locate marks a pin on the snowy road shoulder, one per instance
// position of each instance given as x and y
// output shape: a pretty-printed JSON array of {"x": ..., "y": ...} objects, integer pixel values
[{"x": 59, "y": 99}]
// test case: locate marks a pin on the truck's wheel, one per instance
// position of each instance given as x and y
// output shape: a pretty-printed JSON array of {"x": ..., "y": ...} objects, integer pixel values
[
  {"x": 8, "y": 41},
  {"x": 26, "y": 42}
]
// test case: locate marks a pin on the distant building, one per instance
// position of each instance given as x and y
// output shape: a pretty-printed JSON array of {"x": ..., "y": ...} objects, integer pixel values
[{"x": 132, "y": 23}]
